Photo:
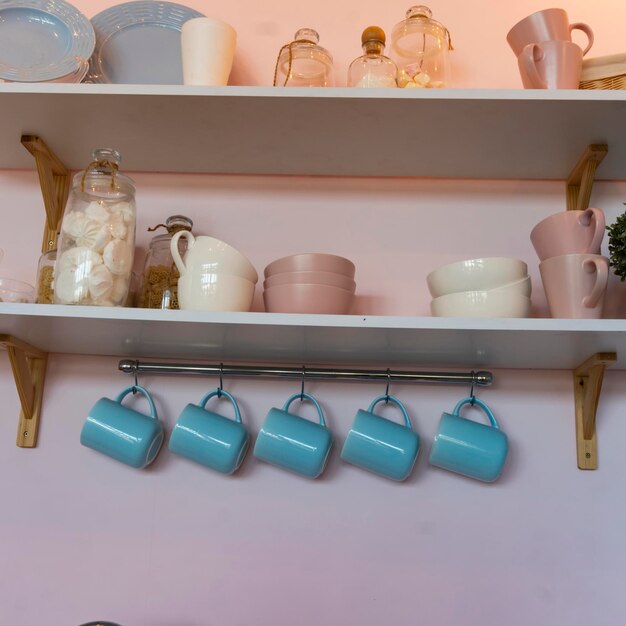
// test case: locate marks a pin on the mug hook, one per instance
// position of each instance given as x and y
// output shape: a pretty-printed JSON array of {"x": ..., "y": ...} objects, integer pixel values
[
  {"x": 302, "y": 386},
  {"x": 221, "y": 387},
  {"x": 135, "y": 385},
  {"x": 387, "y": 387},
  {"x": 472, "y": 396}
]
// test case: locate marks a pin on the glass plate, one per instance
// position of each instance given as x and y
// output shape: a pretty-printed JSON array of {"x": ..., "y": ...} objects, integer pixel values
[
  {"x": 42, "y": 40},
  {"x": 139, "y": 43}
]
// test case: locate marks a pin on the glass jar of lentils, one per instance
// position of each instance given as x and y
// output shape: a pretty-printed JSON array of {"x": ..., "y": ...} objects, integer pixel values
[{"x": 159, "y": 287}]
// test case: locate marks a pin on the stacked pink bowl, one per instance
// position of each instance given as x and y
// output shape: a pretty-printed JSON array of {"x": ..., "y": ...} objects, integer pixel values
[
  {"x": 487, "y": 287},
  {"x": 309, "y": 283}
]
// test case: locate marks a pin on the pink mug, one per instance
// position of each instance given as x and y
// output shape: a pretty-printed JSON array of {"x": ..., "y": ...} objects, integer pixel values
[
  {"x": 546, "y": 25},
  {"x": 575, "y": 285},
  {"x": 569, "y": 232},
  {"x": 551, "y": 65}
]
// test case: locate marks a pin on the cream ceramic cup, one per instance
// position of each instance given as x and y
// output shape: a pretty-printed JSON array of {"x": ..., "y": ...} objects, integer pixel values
[
  {"x": 575, "y": 285},
  {"x": 208, "y": 48},
  {"x": 546, "y": 25},
  {"x": 202, "y": 291},
  {"x": 569, "y": 232},
  {"x": 551, "y": 65}
]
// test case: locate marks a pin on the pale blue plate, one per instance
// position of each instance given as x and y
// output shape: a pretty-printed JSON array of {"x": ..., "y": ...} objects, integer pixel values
[
  {"x": 139, "y": 43},
  {"x": 42, "y": 40}
]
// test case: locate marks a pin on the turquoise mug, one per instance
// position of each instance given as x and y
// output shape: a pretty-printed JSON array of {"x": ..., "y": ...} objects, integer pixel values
[
  {"x": 209, "y": 438},
  {"x": 381, "y": 446},
  {"x": 469, "y": 448},
  {"x": 123, "y": 433},
  {"x": 293, "y": 442}
]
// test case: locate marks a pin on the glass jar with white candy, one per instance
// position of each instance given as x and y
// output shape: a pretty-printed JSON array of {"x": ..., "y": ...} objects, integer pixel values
[{"x": 97, "y": 240}]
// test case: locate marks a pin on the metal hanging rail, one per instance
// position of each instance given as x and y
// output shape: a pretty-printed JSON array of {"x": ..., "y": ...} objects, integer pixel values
[{"x": 481, "y": 378}]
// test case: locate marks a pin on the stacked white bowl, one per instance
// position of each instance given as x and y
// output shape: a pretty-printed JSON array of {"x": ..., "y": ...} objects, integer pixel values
[
  {"x": 487, "y": 287},
  {"x": 309, "y": 283}
]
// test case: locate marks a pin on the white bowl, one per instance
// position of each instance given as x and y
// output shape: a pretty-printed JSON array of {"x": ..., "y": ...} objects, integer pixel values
[
  {"x": 475, "y": 275},
  {"x": 12, "y": 290},
  {"x": 522, "y": 287},
  {"x": 198, "y": 291},
  {"x": 481, "y": 304}
]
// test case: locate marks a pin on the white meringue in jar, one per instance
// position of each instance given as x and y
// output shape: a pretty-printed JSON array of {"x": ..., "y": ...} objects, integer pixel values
[{"x": 118, "y": 256}]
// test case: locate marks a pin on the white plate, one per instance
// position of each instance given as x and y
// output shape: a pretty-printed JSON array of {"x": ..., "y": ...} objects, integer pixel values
[
  {"x": 43, "y": 40},
  {"x": 139, "y": 43}
]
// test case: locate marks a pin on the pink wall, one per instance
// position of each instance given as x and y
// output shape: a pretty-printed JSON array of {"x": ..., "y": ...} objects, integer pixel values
[{"x": 83, "y": 537}]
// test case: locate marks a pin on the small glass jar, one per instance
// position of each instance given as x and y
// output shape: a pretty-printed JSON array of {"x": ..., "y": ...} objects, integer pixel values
[
  {"x": 97, "y": 240},
  {"x": 420, "y": 46},
  {"x": 159, "y": 287},
  {"x": 373, "y": 69},
  {"x": 45, "y": 277},
  {"x": 304, "y": 63}
]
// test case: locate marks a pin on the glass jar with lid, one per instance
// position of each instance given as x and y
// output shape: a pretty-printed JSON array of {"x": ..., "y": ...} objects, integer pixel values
[
  {"x": 420, "y": 47},
  {"x": 159, "y": 286},
  {"x": 97, "y": 239},
  {"x": 373, "y": 69},
  {"x": 304, "y": 63}
]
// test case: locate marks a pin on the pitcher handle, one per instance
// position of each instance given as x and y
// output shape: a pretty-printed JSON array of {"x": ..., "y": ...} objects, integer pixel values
[{"x": 174, "y": 248}]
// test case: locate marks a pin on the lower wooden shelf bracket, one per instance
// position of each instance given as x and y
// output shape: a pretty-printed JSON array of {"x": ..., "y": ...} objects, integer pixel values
[
  {"x": 580, "y": 181},
  {"x": 587, "y": 388},
  {"x": 29, "y": 371}
]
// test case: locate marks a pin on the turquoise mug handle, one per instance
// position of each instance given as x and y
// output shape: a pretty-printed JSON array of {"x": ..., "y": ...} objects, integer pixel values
[
  {"x": 219, "y": 393},
  {"x": 142, "y": 390},
  {"x": 310, "y": 398},
  {"x": 393, "y": 400},
  {"x": 481, "y": 404}
]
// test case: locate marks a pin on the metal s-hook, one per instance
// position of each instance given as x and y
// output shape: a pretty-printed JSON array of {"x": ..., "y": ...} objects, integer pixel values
[
  {"x": 472, "y": 396},
  {"x": 302, "y": 386},
  {"x": 135, "y": 374},
  {"x": 221, "y": 387},
  {"x": 387, "y": 387}
]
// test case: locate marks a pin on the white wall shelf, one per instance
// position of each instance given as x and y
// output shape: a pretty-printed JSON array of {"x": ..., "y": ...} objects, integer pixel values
[
  {"x": 451, "y": 133},
  {"x": 314, "y": 339}
]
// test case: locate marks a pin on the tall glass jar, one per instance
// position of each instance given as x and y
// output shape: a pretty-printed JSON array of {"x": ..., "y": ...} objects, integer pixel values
[
  {"x": 97, "y": 240},
  {"x": 373, "y": 69},
  {"x": 304, "y": 63},
  {"x": 420, "y": 46},
  {"x": 159, "y": 287}
]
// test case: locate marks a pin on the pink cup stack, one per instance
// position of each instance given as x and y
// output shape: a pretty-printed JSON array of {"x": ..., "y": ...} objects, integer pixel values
[
  {"x": 309, "y": 283},
  {"x": 573, "y": 272},
  {"x": 546, "y": 56}
]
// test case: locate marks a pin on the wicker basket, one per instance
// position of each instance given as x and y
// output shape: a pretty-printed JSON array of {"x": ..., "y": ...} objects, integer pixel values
[{"x": 604, "y": 72}]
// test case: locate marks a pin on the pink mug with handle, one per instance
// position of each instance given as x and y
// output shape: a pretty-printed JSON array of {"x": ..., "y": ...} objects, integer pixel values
[
  {"x": 551, "y": 65},
  {"x": 546, "y": 25},
  {"x": 569, "y": 232}
]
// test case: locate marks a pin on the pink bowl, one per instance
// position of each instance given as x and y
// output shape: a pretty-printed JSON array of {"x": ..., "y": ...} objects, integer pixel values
[
  {"x": 311, "y": 278},
  {"x": 312, "y": 262},
  {"x": 296, "y": 298}
]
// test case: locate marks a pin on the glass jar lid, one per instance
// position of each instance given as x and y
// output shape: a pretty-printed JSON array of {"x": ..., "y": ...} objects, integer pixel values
[
  {"x": 420, "y": 33},
  {"x": 102, "y": 177}
]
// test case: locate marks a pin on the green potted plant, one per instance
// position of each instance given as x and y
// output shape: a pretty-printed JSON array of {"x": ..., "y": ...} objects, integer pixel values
[{"x": 617, "y": 246}]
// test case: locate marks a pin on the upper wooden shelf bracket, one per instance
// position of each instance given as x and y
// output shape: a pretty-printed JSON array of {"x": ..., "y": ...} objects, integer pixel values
[
  {"x": 29, "y": 371},
  {"x": 54, "y": 179},
  {"x": 587, "y": 388},
  {"x": 580, "y": 182}
]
